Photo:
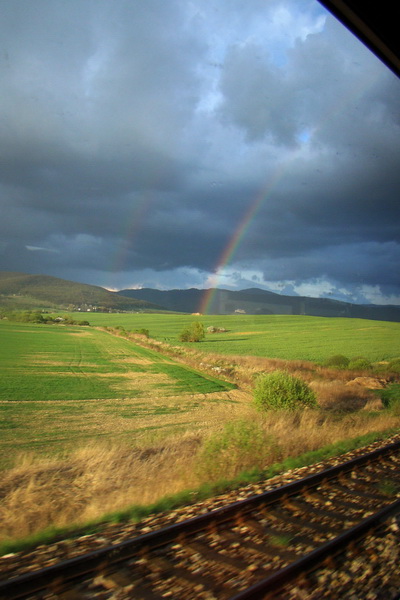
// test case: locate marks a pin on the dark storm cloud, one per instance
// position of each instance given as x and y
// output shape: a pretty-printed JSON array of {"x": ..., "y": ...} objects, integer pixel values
[
  {"x": 347, "y": 263},
  {"x": 137, "y": 136},
  {"x": 337, "y": 203}
]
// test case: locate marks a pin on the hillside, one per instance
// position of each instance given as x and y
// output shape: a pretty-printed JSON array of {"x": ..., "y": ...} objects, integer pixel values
[
  {"x": 19, "y": 290},
  {"x": 186, "y": 301},
  {"x": 261, "y": 302}
]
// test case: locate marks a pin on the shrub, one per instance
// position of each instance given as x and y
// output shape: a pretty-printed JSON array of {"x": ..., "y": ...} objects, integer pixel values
[
  {"x": 359, "y": 363},
  {"x": 337, "y": 361},
  {"x": 184, "y": 336},
  {"x": 241, "y": 445},
  {"x": 391, "y": 397},
  {"x": 142, "y": 331},
  {"x": 281, "y": 391},
  {"x": 194, "y": 333}
]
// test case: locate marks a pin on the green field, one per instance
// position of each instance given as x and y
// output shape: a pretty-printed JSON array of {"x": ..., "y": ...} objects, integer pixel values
[
  {"x": 48, "y": 363},
  {"x": 65, "y": 385},
  {"x": 288, "y": 337},
  {"x": 62, "y": 384}
]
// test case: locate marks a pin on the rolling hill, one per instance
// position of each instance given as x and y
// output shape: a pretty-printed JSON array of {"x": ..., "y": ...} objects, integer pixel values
[{"x": 19, "y": 290}]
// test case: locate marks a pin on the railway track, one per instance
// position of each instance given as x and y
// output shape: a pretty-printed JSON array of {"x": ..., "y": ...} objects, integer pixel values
[{"x": 250, "y": 549}]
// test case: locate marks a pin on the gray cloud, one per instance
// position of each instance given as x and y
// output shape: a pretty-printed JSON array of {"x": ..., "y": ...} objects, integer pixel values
[{"x": 138, "y": 139}]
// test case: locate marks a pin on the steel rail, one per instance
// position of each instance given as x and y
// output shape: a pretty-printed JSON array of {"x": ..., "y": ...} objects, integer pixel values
[
  {"x": 79, "y": 567},
  {"x": 312, "y": 561}
]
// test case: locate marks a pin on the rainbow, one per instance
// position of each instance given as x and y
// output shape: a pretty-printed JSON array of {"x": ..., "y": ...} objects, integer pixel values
[
  {"x": 241, "y": 231},
  {"x": 269, "y": 186},
  {"x": 141, "y": 206}
]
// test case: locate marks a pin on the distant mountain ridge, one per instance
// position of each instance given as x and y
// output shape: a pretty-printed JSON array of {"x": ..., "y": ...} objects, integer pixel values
[
  {"x": 256, "y": 301},
  {"x": 20, "y": 290}
]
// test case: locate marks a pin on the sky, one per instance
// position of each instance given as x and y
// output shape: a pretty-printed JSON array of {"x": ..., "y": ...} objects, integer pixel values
[{"x": 198, "y": 143}]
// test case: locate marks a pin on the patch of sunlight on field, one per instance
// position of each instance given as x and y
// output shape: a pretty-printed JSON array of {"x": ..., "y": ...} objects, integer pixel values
[
  {"x": 46, "y": 363},
  {"x": 56, "y": 427},
  {"x": 60, "y": 389}
]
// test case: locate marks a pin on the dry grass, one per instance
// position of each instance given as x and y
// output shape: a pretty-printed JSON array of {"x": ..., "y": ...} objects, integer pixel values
[
  {"x": 92, "y": 481},
  {"x": 243, "y": 369},
  {"x": 311, "y": 430},
  {"x": 278, "y": 436},
  {"x": 340, "y": 396},
  {"x": 97, "y": 479}
]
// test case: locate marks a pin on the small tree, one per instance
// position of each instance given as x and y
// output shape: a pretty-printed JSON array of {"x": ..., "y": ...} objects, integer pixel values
[
  {"x": 281, "y": 391},
  {"x": 194, "y": 333}
]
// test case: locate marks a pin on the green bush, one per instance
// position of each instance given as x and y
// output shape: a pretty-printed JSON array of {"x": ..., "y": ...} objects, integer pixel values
[
  {"x": 391, "y": 396},
  {"x": 359, "y": 363},
  {"x": 194, "y": 333},
  {"x": 241, "y": 445},
  {"x": 142, "y": 331},
  {"x": 281, "y": 391},
  {"x": 338, "y": 361}
]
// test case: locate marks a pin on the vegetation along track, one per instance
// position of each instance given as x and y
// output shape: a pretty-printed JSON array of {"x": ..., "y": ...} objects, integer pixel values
[{"x": 253, "y": 548}]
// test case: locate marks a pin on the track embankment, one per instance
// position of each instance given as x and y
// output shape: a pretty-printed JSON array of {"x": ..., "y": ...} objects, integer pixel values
[{"x": 330, "y": 530}]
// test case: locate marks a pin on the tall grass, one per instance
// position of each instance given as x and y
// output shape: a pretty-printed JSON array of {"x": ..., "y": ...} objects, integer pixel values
[
  {"x": 92, "y": 481},
  {"x": 99, "y": 479}
]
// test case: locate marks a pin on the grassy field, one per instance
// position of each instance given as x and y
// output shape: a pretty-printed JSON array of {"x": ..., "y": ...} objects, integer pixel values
[
  {"x": 91, "y": 422},
  {"x": 287, "y": 337},
  {"x": 63, "y": 385}
]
